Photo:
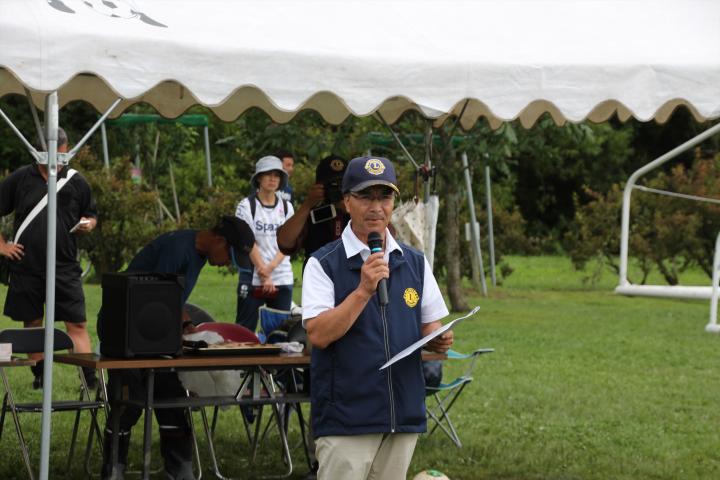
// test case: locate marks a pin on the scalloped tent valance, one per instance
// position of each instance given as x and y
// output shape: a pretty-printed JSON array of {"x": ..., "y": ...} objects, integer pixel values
[{"x": 511, "y": 59}]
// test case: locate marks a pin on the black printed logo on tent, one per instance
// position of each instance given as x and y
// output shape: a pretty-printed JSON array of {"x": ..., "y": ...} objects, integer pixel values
[{"x": 125, "y": 9}]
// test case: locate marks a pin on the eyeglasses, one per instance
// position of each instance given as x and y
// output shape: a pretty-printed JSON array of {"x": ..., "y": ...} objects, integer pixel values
[{"x": 366, "y": 198}]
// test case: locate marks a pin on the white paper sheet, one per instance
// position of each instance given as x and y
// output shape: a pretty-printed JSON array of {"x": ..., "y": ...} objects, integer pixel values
[{"x": 427, "y": 338}]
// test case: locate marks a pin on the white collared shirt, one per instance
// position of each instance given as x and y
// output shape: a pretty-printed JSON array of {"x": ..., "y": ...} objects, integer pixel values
[{"x": 318, "y": 290}]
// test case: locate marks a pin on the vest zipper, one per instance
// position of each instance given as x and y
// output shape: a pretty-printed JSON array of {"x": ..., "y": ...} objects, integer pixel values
[{"x": 389, "y": 369}]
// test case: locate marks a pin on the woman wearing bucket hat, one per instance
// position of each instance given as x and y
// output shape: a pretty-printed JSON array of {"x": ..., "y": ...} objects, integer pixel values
[{"x": 264, "y": 211}]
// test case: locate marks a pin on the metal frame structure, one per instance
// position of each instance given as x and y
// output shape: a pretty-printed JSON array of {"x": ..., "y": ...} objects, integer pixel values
[{"x": 667, "y": 291}]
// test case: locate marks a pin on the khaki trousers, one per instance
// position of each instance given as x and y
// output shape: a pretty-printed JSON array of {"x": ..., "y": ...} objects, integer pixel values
[{"x": 374, "y": 456}]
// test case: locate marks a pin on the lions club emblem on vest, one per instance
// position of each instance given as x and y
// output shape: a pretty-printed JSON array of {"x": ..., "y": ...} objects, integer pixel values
[
  {"x": 374, "y": 166},
  {"x": 411, "y": 297}
]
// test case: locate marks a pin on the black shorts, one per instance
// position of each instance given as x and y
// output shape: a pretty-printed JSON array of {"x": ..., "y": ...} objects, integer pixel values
[{"x": 25, "y": 298}]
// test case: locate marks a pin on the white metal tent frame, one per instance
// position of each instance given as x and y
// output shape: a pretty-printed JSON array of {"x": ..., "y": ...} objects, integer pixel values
[
  {"x": 624, "y": 287},
  {"x": 499, "y": 59}
]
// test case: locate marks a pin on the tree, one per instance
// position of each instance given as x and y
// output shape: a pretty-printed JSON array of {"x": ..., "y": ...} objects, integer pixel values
[
  {"x": 667, "y": 233},
  {"x": 127, "y": 215}
]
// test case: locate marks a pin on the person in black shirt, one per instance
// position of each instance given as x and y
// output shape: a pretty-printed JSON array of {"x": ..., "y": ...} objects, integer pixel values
[
  {"x": 299, "y": 231},
  {"x": 20, "y": 192}
]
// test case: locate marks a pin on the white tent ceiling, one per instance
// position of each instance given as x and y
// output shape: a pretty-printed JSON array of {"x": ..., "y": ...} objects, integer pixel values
[
  {"x": 502, "y": 59},
  {"x": 511, "y": 59}
]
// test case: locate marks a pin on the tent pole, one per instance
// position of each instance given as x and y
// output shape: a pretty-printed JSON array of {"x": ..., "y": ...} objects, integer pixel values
[
  {"x": 174, "y": 191},
  {"x": 106, "y": 155},
  {"x": 397, "y": 139},
  {"x": 428, "y": 159},
  {"x": 89, "y": 133},
  {"x": 474, "y": 232},
  {"x": 208, "y": 162},
  {"x": 36, "y": 120},
  {"x": 51, "y": 123},
  {"x": 627, "y": 193},
  {"x": 491, "y": 235}
]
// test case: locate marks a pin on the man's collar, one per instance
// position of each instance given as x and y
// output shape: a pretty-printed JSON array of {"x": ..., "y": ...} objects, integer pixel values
[
  {"x": 353, "y": 245},
  {"x": 62, "y": 172}
]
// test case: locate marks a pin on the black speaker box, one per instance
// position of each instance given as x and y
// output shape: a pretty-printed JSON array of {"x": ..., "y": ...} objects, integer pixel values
[{"x": 141, "y": 314}]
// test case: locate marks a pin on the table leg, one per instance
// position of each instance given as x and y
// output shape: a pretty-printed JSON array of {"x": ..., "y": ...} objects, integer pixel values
[
  {"x": 266, "y": 381},
  {"x": 147, "y": 435},
  {"x": 284, "y": 441},
  {"x": 116, "y": 412}
]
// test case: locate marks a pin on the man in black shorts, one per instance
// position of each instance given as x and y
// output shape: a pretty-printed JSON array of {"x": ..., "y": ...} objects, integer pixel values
[{"x": 20, "y": 192}]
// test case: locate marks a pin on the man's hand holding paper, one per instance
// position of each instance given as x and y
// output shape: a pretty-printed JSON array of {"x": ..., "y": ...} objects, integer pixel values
[
  {"x": 438, "y": 336},
  {"x": 439, "y": 344}
]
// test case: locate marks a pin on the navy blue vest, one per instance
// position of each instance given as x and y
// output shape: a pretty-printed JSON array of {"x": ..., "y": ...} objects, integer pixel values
[{"x": 350, "y": 395}]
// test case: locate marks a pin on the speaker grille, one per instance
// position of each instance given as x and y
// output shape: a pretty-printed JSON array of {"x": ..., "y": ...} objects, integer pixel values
[
  {"x": 142, "y": 314},
  {"x": 156, "y": 318}
]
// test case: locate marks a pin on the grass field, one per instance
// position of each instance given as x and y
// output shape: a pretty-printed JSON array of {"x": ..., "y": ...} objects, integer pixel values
[{"x": 584, "y": 384}]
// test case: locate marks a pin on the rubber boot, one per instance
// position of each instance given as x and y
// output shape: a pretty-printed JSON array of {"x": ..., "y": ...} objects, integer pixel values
[
  {"x": 37, "y": 370},
  {"x": 123, "y": 449},
  {"x": 90, "y": 378},
  {"x": 176, "y": 448}
]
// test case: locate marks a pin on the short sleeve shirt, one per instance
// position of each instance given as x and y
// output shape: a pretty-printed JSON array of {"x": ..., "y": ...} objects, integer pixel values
[
  {"x": 318, "y": 292},
  {"x": 21, "y": 191},
  {"x": 265, "y": 225}
]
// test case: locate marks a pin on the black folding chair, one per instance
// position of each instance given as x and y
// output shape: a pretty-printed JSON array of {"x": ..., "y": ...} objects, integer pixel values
[
  {"x": 445, "y": 394},
  {"x": 32, "y": 340}
]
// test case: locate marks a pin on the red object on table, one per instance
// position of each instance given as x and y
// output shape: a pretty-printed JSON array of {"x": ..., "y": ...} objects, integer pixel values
[{"x": 231, "y": 332}]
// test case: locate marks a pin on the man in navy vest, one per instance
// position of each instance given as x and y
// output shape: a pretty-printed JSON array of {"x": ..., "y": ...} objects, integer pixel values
[{"x": 367, "y": 420}]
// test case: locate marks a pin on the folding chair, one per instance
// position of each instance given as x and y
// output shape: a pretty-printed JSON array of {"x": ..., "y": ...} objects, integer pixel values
[
  {"x": 283, "y": 326},
  {"x": 32, "y": 340},
  {"x": 203, "y": 321},
  {"x": 198, "y": 315},
  {"x": 445, "y": 394},
  {"x": 272, "y": 321}
]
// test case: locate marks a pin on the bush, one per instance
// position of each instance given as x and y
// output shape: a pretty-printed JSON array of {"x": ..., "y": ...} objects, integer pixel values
[
  {"x": 127, "y": 215},
  {"x": 667, "y": 233},
  {"x": 208, "y": 208}
]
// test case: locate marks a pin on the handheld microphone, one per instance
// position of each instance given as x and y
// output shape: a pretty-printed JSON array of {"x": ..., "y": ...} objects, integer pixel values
[{"x": 375, "y": 244}]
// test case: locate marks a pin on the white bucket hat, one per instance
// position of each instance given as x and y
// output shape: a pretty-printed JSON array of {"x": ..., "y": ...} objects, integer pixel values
[{"x": 268, "y": 164}]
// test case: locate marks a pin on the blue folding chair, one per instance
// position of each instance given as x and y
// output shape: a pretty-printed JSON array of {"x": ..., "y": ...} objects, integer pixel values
[
  {"x": 271, "y": 320},
  {"x": 445, "y": 394}
]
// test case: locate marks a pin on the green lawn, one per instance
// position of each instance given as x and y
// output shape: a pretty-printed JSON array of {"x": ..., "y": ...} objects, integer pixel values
[{"x": 584, "y": 384}]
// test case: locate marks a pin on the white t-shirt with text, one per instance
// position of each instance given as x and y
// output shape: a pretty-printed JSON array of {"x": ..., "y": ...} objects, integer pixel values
[{"x": 265, "y": 225}]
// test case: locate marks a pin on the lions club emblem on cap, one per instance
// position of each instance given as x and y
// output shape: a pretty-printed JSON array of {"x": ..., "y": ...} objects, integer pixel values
[
  {"x": 411, "y": 297},
  {"x": 337, "y": 165},
  {"x": 374, "y": 166}
]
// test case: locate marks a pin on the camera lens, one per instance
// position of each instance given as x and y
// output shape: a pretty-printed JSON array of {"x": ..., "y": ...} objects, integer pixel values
[{"x": 332, "y": 191}]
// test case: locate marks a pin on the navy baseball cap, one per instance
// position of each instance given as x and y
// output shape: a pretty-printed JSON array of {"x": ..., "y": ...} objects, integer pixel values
[{"x": 364, "y": 172}]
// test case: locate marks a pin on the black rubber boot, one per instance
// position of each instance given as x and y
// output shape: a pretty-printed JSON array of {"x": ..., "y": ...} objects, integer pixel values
[
  {"x": 123, "y": 448},
  {"x": 90, "y": 378},
  {"x": 176, "y": 448},
  {"x": 37, "y": 370}
]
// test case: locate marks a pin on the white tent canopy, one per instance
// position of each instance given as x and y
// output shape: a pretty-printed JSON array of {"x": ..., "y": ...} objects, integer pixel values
[
  {"x": 511, "y": 59},
  {"x": 499, "y": 59}
]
